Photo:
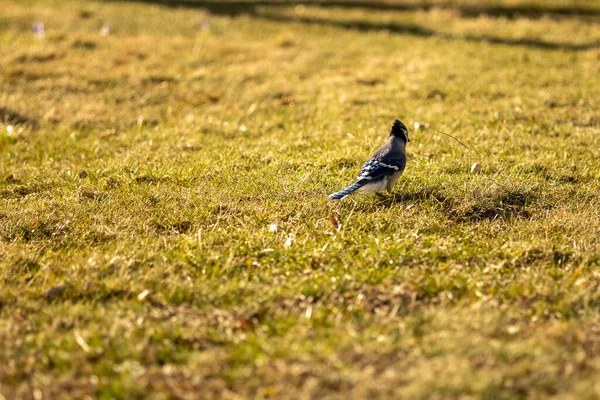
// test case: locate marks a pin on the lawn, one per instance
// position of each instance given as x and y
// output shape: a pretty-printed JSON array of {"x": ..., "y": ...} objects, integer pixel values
[{"x": 165, "y": 230}]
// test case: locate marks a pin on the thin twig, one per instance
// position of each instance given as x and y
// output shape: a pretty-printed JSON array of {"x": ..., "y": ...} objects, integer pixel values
[{"x": 461, "y": 143}]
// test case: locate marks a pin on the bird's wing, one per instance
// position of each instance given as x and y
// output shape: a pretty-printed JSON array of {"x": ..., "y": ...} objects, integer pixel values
[{"x": 375, "y": 169}]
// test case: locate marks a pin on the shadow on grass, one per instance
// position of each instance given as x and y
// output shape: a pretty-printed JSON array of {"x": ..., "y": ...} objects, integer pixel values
[
  {"x": 253, "y": 8},
  {"x": 417, "y": 30},
  {"x": 423, "y": 194},
  {"x": 511, "y": 11},
  {"x": 502, "y": 204},
  {"x": 9, "y": 116},
  {"x": 385, "y": 200}
]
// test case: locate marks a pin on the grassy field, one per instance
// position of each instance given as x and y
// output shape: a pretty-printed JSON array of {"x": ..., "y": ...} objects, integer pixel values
[{"x": 164, "y": 224}]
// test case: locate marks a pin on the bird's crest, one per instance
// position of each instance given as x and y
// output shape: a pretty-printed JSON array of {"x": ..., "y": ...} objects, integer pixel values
[{"x": 399, "y": 130}]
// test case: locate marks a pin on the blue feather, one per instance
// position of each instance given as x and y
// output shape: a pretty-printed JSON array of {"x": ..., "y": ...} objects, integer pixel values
[{"x": 345, "y": 192}]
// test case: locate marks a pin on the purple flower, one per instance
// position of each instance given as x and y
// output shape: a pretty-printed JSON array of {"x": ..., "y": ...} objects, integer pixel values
[
  {"x": 205, "y": 25},
  {"x": 39, "y": 29}
]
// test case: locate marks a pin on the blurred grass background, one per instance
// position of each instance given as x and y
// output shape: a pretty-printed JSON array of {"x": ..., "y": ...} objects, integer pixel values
[{"x": 164, "y": 220}]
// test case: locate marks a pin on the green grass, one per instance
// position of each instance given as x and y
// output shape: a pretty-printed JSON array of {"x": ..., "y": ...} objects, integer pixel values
[{"x": 156, "y": 273}]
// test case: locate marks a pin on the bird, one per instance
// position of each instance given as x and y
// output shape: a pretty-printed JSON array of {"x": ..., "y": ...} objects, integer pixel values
[{"x": 384, "y": 167}]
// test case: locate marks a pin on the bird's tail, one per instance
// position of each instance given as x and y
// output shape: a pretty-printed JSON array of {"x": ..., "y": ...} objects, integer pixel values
[{"x": 345, "y": 192}]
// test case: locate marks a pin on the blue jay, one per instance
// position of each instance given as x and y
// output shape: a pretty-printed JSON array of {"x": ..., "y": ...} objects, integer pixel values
[{"x": 384, "y": 167}]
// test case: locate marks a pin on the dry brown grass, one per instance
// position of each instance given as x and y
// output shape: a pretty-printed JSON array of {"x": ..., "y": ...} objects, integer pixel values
[{"x": 144, "y": 169}]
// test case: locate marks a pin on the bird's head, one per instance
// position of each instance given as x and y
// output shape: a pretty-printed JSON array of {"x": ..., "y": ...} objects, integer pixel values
[{"x": 399, "y": 130}]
